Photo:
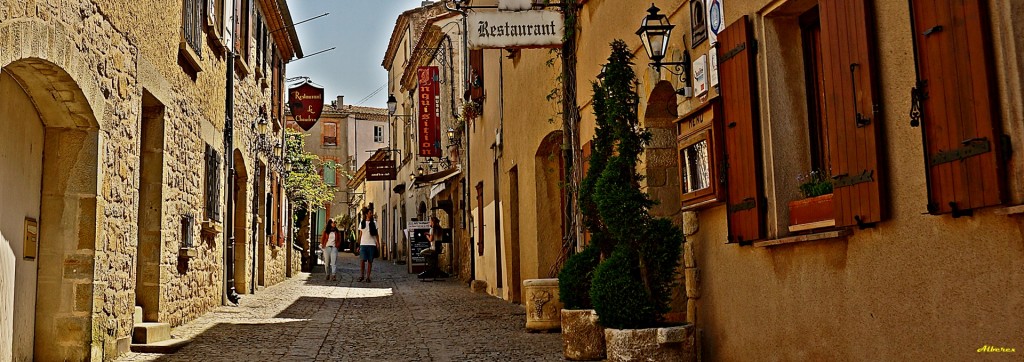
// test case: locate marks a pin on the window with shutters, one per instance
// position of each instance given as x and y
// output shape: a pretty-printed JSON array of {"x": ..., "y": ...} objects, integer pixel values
[
  {"x": 261, "y": 44},
  {"x": 330, "y": 134},
  {"x": 192, "y": 24},
  {"x": 745, "y": 201},
  {"x": 243, "y": 30},
  {"x": 212, "y": 180},
  {"x": 330, "y": 173},
  {"x": 475, "y": 86},
  {"x": 955, "y": 106},
  {"x": 214, "y": 22}
]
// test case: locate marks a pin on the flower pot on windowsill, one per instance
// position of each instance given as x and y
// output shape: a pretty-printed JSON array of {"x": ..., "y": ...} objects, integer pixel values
[{"x": 811, "y": 213}]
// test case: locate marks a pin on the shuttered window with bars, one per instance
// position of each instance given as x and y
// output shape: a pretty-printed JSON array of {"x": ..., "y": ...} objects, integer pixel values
[
  {"x": 955, "y": 104},
  {"x": 851, "y": 110},
  {"x": 737, "y": 80},
  {"x": 212, "y": 206},
  {"x": 192, "y": 25}
]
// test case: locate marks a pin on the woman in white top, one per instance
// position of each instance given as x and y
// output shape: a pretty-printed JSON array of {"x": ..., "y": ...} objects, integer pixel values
[
  {"x": 369, "y": 242},
  {"x": 330, "y": 242}
]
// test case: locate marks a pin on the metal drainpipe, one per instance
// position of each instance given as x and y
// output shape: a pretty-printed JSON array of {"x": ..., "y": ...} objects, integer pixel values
[{"x": 229, "y": 234}]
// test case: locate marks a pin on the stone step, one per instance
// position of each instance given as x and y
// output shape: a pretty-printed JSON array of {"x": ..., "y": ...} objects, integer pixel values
[
  {"x": 138, "y": 314},
  {"x": 163, "y": 347},
  {"x": 149, "y": 333}
]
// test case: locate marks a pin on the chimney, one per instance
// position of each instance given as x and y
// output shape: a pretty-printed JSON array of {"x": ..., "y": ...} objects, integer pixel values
[{"x": 341, "y": 101}]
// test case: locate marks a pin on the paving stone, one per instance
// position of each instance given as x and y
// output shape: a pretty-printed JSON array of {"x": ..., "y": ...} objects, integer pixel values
[{"x": 394, "y": 318}]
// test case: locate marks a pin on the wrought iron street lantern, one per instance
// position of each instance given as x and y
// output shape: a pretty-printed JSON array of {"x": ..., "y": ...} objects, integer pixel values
[
  {"x": 392, "y": 104},
  {"x": 655, "y": 33}
]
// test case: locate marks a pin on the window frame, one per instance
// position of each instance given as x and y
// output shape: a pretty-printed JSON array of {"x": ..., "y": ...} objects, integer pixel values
[
  {"x": 378, "y": 134},
  {"x": 324, "y": 134},
  {"x": 702, "y": 125}
]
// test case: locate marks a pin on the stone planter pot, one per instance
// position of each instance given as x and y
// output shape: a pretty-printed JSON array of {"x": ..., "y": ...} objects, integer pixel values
[
  {"x": 582, "y": 335},
  {"x": 651, "y": 344},
  {"x": 542, "y": 305}
]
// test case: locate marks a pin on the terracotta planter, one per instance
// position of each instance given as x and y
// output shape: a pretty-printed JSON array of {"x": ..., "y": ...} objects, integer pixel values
[
  {"x": 811, "y": 213},
  {"x": 651, "y": 344},
  {"x": 582, "y": 335},
  {"x": 543, "y": 308}
]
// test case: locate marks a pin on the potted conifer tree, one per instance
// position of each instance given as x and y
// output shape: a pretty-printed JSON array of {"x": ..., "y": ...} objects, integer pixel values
[{"x": 631, "y": 289}]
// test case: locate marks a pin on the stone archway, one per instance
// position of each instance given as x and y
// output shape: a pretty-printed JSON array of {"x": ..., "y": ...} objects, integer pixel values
[
  {"x": 660, "y": 166},
  {"x": 240, "y": 200},
  {"x": 549, "y": 173},
  {"x": 48, "y": 173}
]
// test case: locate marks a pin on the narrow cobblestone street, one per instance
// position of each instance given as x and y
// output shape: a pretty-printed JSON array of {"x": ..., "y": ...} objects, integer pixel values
[{"x": 394, "y": 318}]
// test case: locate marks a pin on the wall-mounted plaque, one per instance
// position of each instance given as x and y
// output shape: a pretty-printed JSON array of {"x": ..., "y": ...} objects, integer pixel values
[{"x": 31, "y": 238}]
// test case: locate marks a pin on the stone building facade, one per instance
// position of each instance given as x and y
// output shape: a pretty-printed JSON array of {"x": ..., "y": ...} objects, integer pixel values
[
  {"x": 424, "y": 186},
  {"x": 115, "y": 105}
]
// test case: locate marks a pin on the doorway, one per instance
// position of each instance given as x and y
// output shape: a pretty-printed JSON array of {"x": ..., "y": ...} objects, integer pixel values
[
  {"x": 240, "y": 199},
  {"x": 513, "y": 244},
  {"x": 151, "y": 196},
  {"x": 50, "y": 138},
  {"x": 550, "y": 173},
  {"x": 499, "y": 277}
]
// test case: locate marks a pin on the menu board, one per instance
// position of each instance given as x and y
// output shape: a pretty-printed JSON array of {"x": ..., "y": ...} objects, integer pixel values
[{"x": 418, "y": 242}]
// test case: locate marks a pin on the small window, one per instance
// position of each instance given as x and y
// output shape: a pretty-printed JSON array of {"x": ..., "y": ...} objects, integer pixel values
[
  {"x": 330, "y": 176},
  {"x": 212, "y": 204},
  {"x": 330, "y": 134},
  {"x": 378, "y": 134},
  {"x": 192, "y": 25}
]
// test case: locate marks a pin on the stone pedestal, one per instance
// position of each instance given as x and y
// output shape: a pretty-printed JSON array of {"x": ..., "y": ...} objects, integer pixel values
[
  {"x": 582, "y": 335},
  {"x": 543, "y": 308},
  {"x": 651, "y": 344}
]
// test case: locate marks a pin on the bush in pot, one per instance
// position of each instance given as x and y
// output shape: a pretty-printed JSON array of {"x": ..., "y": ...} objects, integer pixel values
[{"x": 631, "y": 289}]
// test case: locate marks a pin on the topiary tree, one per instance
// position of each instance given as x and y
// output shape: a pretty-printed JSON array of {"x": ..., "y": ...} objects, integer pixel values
[
  {"x": 632, "y": 288},
  {"x": 575, "y": 277}
]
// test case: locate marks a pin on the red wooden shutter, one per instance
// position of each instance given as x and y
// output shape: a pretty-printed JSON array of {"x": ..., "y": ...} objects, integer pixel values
[
  {"x": 742, "y": 139},
  {"x": 476, "y": 76},
  {"x": 958, "y": 106},
  {"x": 851, "y": 111}
]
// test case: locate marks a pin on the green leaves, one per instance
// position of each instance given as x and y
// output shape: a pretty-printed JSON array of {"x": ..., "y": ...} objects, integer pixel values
[{"x": 304, "y": 184}]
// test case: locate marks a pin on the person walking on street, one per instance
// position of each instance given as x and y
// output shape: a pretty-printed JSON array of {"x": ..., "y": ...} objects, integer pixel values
[
  {"x": 368, "y": 244},
  {"x": 330, "y": 243}
]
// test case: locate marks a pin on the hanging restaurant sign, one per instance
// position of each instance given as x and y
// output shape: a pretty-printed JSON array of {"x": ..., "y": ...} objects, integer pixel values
[
  {"x": 306, "y": 103},
  {"x": 518, "y": 29},
  {"x": 381, "y": 170},
  {"x": 429, "y": 119}
]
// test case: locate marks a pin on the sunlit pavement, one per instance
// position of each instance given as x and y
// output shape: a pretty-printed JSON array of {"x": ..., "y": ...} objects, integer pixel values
[{"x": 394, "y": 318}]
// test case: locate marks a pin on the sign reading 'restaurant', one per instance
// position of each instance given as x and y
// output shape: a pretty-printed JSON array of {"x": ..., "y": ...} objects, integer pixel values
[
  {"x": 306, "y": 103},
  {"x": 520, "y": 29}
]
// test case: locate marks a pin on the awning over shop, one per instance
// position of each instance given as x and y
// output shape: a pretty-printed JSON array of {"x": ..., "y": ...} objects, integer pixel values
[
  {"x": 400, "y": 188},
  {"x": 437, "y": 178}
]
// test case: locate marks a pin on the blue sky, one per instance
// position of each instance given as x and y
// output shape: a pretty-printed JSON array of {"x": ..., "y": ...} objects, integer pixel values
[{"x": 360, "y": 29}]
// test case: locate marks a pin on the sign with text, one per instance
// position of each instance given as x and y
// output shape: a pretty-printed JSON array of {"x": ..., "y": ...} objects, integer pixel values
[
  {"x": 700, "y": 75},
  {"x": 429, "y": 119},
  {"x": 306, "y": 103},
  {"x": 380, "y": 170},
  {"x": 418, "y": 242},
  {"x": 519, "y": 29}
]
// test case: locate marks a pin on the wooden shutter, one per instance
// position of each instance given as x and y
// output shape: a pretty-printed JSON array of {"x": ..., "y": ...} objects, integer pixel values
[
  {"x": 746, "y": 205},
  {"x": 958, "y": 105},
  {"x": 236, "y": 35},
  {"x": 476, "y": 76},
  {"x": 850, "y": 109}
]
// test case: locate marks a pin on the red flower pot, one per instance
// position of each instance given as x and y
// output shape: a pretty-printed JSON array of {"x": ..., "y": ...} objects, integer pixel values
[{"x": 811, "y": 213}]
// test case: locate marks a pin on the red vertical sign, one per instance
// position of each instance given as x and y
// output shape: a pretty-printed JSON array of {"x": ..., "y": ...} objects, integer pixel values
[{"x": 429, "y": 120}]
